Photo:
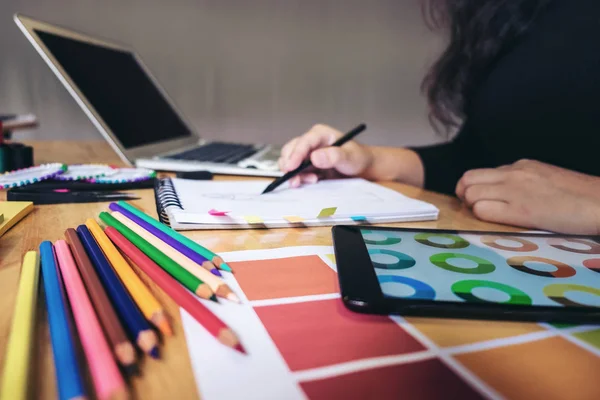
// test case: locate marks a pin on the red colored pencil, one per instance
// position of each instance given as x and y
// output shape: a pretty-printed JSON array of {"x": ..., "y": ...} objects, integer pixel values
[{"x": 203, "y": 315}]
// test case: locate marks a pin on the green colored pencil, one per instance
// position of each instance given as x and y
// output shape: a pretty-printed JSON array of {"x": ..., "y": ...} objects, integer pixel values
[
  {"x": 188, "y": 280},
  {"x": 203, "y": 251}
]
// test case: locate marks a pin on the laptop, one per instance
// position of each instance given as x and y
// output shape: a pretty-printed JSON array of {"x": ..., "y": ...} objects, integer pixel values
[{"x": 126, "y": 104}]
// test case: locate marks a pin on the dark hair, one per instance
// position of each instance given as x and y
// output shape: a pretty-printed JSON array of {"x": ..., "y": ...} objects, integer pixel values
[{"x": 479, "y": 31}]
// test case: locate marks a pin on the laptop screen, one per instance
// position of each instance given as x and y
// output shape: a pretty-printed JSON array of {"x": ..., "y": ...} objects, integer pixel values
[{"x": 119, "y": 89}]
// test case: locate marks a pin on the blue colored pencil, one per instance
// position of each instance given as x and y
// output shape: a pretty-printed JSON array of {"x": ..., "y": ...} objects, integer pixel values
[
  {"x": 131, "y": 317},
  {"x": 68, "y": 374}
]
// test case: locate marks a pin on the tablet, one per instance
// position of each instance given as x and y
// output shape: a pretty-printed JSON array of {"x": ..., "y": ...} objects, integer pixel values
[{"x": 469, "y": 274}]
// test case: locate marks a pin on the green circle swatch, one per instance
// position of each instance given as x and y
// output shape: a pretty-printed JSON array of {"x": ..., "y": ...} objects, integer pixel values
[
  {"x": 464, "y": 290},
  {"x": 483, "y": 265},
  {"x": 425, "y": 238}
]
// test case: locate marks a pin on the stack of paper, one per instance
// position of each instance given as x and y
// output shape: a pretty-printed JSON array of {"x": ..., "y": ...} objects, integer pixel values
[{"x": 239, "y": 204}]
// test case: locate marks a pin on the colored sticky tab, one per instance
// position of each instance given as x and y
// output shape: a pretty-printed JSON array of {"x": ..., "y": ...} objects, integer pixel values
[
  {"x": 358, "y": 218},
  {"x": 217, "y": 213},
  {"x": 253, "y": 219},
  {"x": 293, "y": 219},
  {"x": 327, "y": 212}
]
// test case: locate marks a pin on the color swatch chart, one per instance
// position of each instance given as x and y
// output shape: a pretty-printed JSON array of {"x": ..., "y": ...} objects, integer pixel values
[
  {"x": 304, "y": 344},
  {"x": 516, "y": 269}
]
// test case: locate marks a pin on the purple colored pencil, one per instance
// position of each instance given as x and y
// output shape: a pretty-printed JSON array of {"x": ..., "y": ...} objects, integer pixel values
[{"x": 177, "y": 245}]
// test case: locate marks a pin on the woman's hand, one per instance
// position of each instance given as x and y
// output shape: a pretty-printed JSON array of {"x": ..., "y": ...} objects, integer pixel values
[
  {"x": 535, "y": 195},
  {"x": 351, "y": 159}
]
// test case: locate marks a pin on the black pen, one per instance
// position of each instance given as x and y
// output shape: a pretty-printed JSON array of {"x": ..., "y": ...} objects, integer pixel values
[
  {"x": 305, "y": 164},
  {"x": 68, "y": 197}
]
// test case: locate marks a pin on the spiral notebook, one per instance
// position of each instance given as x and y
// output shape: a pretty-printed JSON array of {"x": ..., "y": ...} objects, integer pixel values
[{"x": 189, "y": 204}]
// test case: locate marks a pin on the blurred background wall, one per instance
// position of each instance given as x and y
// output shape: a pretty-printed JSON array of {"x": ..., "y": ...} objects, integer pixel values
[{"x": 256, "y": 70}]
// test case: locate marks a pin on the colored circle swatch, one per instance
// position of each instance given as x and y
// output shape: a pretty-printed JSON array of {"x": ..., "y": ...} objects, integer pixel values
[
  {"x": 562, "y": 270},
  {"x": 422, "y": 290},
  {"x": 559, "y": 243},
  {"x": 483, "y": 265},
  {"x": 557, "y": 292},
  {"x": 390, "y": 239},
  {"x": 464, "y": 290},
  {"x": 525, "y": 245},
  {"x": 592, "y": 264},
  {"x": 402, "y": 260},
  {"x": 457, "y": 241}
]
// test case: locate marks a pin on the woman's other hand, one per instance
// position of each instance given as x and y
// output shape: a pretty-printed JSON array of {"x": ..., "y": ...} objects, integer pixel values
[{"x": 535, "y": 195}]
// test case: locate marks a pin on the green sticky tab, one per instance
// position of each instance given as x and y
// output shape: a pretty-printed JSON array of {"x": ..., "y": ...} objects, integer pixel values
[{"x": 327, "y": 212}]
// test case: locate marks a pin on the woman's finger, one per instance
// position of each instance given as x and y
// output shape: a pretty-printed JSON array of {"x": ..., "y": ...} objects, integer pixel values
[
  {"x": 494, "y": 192},
  {"x": 479, "y": 177}
]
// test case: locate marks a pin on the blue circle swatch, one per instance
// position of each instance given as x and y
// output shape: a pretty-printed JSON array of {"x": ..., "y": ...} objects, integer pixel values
[
  {"x": 422, "y": 290},
  {"x": 403, "y": 261}
]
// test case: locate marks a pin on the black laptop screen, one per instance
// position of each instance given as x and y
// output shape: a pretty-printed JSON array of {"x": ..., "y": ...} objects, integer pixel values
[{"x": 118, "y": 88}]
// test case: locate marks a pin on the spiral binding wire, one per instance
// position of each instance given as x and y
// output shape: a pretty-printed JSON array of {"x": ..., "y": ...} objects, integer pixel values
[{"x": 165, "y": 197}]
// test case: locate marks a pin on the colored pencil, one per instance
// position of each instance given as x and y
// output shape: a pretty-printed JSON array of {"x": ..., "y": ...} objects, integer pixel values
[
  {"x": 68, "y": 372},
  {"x": 122, "y": 347},
  {"x": 196, "y": 309},
  {"x": 107, "y": 379},
  {"x": 132, "y": 319},
  {"x": 188, "y": 280},
  {"x": 218, "y": 286},
  {"x": 145, "y": 300},
  {"x": 177, "y": 245},
  {"x": 15, "y": 382},
  {"x": 217, "y": 260}
]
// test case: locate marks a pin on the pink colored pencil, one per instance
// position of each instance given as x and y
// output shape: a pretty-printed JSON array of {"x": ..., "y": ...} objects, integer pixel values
[{"x": 108, "y": 382}]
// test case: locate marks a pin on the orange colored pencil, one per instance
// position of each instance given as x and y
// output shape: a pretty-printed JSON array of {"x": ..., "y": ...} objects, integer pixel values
[{"x": 140, "y": 293}]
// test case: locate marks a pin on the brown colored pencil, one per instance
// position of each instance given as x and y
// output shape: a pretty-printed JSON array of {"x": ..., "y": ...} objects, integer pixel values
[{"x": 122, "y": 347}]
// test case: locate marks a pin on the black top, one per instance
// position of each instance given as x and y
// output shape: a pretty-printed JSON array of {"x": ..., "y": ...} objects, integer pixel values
[{"x": 541, "y": 101}]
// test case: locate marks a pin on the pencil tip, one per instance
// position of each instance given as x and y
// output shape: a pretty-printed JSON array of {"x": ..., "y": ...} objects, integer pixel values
[
  {"x": 214, "y": 298},
  {"x": 165, "y": 328},
  {"x": 216, "y": 272},
  {"x": 225, "y": 267},
  {"x": 132, "y": 370},
  {"x": 240, "y": 348},
  {"x": 233, "y": 297},
  {"x": 154, "y": 353}
]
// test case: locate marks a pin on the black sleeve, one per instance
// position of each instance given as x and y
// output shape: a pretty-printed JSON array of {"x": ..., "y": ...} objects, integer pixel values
[{"x": 445, "y": 163}]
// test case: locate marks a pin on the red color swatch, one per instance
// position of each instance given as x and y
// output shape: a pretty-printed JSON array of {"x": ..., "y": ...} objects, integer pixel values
[
  {"x": 320, "y": 333},
  {"x": 429, "y": 379},
  {"x": 285, "y": 277}
]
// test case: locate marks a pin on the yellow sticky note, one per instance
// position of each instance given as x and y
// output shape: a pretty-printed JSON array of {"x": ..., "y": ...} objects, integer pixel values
[
  {"x": 253, "y": 219},
  {"x": 293, "y": 219},
  {"x": 327, "y": 212},
  {"x": 13, "y": 212}
]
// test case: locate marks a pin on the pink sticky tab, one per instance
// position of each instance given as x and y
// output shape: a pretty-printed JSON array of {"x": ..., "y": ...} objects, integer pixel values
[{"x": 218, "y": 213}]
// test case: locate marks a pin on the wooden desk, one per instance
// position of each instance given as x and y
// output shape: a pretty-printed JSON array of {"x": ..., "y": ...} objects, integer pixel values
[{"x": 171, "y": 377}]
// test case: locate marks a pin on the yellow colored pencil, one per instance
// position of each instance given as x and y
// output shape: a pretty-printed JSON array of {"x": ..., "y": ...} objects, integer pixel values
[
  {"x": 140, "y": 293},
  {"x": 15, "y": 381}
]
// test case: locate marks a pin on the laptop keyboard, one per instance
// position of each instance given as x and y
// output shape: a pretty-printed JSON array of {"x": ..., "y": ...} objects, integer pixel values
[{"x": 217, "y": 152}]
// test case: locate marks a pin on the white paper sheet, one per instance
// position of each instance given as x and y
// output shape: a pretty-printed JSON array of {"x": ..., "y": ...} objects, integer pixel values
[{"x": 351, "y": 197}]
